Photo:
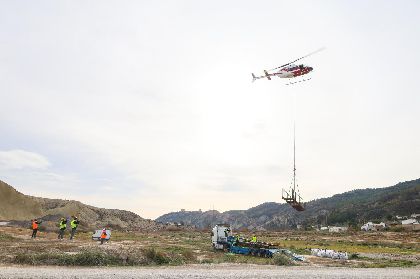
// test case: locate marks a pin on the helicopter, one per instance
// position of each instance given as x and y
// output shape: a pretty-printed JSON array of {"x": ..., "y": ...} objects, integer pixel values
[{"x": 288, "y": 70}]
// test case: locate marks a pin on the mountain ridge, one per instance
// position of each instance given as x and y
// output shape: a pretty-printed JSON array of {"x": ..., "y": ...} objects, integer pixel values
[{"x": 351, "y": 207}]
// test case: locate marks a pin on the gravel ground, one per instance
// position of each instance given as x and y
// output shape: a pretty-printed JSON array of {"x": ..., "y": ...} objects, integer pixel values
[
  {"x": 209, "y": 271},
  {"x": 414, "y": 257}
]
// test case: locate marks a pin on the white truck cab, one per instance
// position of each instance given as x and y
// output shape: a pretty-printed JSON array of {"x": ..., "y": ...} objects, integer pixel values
[{"x": 219, "y": 235}]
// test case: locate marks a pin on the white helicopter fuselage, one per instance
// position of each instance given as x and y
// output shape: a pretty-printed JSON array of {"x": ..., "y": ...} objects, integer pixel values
[
  {"x": 289, "y": 71},
  {"x": 284, "y": 74},
  {"x": 293, "y": 70}
]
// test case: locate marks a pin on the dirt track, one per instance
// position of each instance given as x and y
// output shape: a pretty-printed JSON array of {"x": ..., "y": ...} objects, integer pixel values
[{"x": 209, "y": 271}]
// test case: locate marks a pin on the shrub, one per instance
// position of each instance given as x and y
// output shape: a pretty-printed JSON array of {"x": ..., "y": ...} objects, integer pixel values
[
  {"x": 207, "y": 261},
  {"x": 396, "y": 229},
  {"x": 279, "y": 259},
  {"x": 84, "y": 258},
  {"x": 6, "y": 237},
  {"x": 156, "y": 257},
  {"x": 229, "y": 258},
  {"x": 353, "y": 256},
  {"x": 188, "y": 255},
  {"x": 87, "y": 258},
  {"x": 23, "y": 259}
]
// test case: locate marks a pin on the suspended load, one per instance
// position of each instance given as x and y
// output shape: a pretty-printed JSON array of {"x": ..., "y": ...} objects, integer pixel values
[
  {"x": 294, "y": 199},
  {"x": 292, "y": 196}
]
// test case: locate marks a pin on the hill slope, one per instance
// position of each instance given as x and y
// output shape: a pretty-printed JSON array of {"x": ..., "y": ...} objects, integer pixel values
[
  {"x": 17, "y": 206},
  {"x": 355, "y": 207}
]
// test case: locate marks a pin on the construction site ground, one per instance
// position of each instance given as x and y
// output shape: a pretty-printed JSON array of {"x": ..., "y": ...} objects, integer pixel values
[{"x": 188, "y": 252}]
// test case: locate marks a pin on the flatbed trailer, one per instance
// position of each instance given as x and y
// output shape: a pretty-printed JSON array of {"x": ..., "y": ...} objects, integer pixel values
[
  {"x": 259, "y": 249},
  {"x": 223, "y": 239}
]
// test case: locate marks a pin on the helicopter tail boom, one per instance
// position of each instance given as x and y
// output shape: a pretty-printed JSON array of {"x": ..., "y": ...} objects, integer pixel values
[{"x": 267, "y": 75}]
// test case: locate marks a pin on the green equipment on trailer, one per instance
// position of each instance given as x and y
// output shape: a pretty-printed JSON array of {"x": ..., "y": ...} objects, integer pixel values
[{"x": 223, "y": 239}]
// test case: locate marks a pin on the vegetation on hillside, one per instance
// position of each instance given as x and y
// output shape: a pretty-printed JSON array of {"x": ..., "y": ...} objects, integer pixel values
[{"x": 351, "y": 208}]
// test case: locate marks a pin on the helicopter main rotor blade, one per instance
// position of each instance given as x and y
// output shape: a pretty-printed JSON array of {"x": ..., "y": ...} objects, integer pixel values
[{"x": 316, "y": 51}]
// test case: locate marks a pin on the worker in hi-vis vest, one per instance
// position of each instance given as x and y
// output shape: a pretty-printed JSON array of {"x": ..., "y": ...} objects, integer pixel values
[
  {"x": 35, "y": 225},
  {"x": 254, "y": 239},
  {"x": 73, "y": 224},
  {"x": 62, "y": 225},
  {"x": 103, "y": 236}
]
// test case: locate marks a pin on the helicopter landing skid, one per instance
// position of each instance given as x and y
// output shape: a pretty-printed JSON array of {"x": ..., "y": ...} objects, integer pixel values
[{"x": 302, "y": 80}]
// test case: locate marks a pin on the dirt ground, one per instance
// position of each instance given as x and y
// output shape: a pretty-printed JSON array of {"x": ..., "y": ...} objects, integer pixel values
[{"x": 376, "y": 249}]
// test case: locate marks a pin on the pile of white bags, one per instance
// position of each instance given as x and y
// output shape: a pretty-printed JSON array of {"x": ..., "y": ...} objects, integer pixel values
[{"x": 329, "y": 254}]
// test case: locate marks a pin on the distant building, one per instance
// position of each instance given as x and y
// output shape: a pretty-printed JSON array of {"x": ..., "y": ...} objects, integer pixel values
[
  {"x": 333, "y": 229},
  {"x": 367, "y": 227},
  {"x": 411, "y": 221},
  {"x": 182, "y": 210},
  {"x": 176, "y": 224},
  {"x": 370, "y": 226},
  {"x": 337, "y": 229}
]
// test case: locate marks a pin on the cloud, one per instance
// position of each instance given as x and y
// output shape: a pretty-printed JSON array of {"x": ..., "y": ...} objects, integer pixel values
[{"x": 20, "y": 159}]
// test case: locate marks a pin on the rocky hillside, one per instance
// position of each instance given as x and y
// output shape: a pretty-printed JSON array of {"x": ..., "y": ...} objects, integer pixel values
[
  {"x": 354, "y": 207},
  {"x": 22, "y": 208}
]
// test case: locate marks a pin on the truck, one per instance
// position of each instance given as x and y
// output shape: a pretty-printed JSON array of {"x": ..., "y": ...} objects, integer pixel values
[{"x": 223, "y": 239}]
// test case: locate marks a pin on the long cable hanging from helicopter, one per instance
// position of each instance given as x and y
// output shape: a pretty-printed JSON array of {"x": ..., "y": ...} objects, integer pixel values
[
  {"x": 292, "y": 196},
  {"x": 289, "y": 71}
]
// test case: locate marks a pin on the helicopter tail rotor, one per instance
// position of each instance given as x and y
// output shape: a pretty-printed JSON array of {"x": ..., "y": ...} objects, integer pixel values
[{"x": 267, "y": 75}]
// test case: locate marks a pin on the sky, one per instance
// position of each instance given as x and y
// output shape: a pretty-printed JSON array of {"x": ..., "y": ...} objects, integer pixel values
[{"x": 148, "y": 106}]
